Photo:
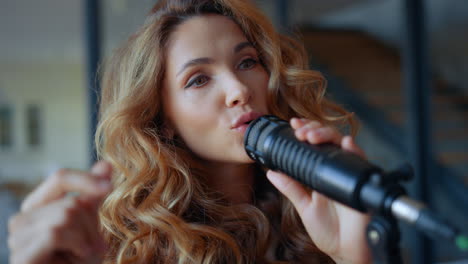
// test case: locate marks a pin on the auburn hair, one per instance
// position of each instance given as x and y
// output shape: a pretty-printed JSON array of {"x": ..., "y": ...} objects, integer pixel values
[{"x": 160, "y": 210}]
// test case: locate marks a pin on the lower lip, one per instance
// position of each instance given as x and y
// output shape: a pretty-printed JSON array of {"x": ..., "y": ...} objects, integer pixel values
[{"x": 242, "y": 128}]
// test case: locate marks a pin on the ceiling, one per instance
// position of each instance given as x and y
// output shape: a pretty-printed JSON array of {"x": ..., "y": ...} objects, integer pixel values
[{"x": 52, "y": 30}]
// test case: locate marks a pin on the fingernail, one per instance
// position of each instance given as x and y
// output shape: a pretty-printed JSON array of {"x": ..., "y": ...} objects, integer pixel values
[
  {"x": 348, "y": 141},
  {"x": 275, "y": 178}
]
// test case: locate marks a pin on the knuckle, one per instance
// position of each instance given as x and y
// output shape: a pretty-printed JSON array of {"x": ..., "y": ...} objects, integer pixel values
[
  {"x": 299, "y": 135},
  {"x": 313, "y": 136},
  {"x": 59, "y": 176},
  {"x": 299, "y": 131}
]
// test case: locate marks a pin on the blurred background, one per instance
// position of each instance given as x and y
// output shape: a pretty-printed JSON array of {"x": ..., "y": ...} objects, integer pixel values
[{"x": 400, "y": 65}]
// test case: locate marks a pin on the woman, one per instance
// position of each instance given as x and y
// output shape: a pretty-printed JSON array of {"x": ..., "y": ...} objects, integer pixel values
[{"x": 175, "y": 102}]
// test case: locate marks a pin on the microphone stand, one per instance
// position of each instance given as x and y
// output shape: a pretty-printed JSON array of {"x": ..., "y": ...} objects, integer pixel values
[
  {"x": 383, "y": 237},
  {"x": 382, "y": 233}
]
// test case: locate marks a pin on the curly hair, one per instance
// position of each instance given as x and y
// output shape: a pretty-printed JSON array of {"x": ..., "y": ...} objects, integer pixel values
[{"x": 161, "y": 211}]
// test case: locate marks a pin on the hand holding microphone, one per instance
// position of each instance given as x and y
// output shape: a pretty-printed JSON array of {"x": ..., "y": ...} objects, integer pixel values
[
  {"x": 337, "y": 230},
  {"x": 340, "y": 175}
]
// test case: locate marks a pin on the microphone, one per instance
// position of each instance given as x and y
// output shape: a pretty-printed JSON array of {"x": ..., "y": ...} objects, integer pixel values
[{"x": 340, "y": 175}]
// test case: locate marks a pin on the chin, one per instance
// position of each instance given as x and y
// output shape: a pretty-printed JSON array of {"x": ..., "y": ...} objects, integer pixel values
[
  {"x": 240, "y": 158},
  {"x": 246, "y": 159},
  {"x": 237, "y": 157}
]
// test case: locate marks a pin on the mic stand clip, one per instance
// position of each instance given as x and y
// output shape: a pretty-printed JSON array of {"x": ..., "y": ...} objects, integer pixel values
[{"x": 382, "y": 233}]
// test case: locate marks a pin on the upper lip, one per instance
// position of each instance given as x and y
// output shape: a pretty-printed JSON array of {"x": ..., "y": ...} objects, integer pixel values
[{"x": 244, "y": 118}]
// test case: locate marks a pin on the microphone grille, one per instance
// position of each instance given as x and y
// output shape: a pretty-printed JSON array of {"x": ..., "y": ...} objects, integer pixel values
[{"x": 258, "y": 131}]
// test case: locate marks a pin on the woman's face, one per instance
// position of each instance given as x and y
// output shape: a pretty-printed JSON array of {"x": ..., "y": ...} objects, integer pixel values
[{"x": 213, "y": 78}]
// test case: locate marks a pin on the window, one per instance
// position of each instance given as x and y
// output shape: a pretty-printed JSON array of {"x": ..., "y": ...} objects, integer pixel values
[
  {"x": 6, "y": 126},
  {"x": 33, "y": 126}
]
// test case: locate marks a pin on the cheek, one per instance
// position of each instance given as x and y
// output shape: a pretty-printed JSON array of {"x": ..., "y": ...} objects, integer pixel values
[
  {"x": 198, "y": 129},
  {"x": 196, "y": 107},
  {"x": 195, "y": 120}
]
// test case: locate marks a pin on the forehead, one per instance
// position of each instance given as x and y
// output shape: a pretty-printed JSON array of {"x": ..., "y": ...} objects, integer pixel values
[{"x": 201, "y": 34}]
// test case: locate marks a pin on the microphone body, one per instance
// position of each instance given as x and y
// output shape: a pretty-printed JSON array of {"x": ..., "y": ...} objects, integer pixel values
[
  {"x": 325, "y": 168},
  {"x": 340, "y": 175}
]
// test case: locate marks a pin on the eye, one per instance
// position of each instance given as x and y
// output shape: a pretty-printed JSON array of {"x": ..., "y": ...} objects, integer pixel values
[
  {"x": 247, "y": 64},
  {"x": 198, "y": 81}
]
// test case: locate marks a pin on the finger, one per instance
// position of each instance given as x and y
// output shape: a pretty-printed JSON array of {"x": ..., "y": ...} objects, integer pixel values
[
  {"x": 70, "y": 230},
  {"x": 17, "y": 227},
  {"x": 323, "y": 135},
  {"x": 348, "y": 144},
  {"x": 301, "y": 133},
  {"x": 322, "y": 203},
  {"x": 296, "y": 122},
  {"x": 292, "y": 189},
  {"x": 91, "y": 224},
  {"x": 102, "y": 169},
  {"x": 84, "y": 219},
  {"x": 65, "y": 181}
]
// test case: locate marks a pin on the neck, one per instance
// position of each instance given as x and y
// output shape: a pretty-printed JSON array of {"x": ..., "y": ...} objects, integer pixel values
[{"x": 234, "y": 181}]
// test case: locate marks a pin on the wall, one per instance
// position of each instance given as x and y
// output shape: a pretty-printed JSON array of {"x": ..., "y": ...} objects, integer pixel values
[
  {"x": 41, "y": 63},
  {"x": 58, "y": 89}
]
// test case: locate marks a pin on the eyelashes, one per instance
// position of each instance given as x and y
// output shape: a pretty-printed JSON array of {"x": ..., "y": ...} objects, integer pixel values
[
  {"x": 249, "y": 62},
  {"x": 198, "y": 81},
  {"x": 202, "y": 79}
]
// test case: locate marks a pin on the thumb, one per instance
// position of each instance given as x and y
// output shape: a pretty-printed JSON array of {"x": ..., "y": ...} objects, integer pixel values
[
  {"x": 102, "y": 169},
  {"x": 292, "y": 189}
]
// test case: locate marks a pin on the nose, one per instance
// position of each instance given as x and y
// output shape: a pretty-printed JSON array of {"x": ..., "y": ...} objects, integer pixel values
[{"x": 237, "y": 93}]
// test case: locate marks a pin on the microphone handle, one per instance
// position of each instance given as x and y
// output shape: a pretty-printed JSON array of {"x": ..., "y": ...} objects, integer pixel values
[{"x": 325, "y": 168}]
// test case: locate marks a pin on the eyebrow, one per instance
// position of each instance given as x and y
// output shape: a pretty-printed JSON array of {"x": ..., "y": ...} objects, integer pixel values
[
  {"x": 206, "y": 60},
  {"x": 242, "y": 46}
]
